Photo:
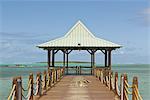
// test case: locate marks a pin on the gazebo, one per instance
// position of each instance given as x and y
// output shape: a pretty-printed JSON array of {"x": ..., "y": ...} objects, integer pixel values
[{"x": 79, "y": 38}]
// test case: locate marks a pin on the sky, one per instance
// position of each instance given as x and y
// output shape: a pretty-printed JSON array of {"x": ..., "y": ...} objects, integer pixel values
[{"x": 24, "y": 24}]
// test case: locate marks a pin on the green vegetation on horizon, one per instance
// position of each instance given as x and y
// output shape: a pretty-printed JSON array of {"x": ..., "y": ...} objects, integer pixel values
[{"x": 68, "y": 62}]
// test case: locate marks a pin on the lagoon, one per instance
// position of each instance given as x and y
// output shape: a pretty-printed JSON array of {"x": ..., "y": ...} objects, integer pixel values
[{"x": 142, "y": 71}]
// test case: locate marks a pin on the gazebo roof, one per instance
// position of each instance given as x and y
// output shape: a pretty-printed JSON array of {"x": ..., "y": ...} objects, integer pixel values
[{"x": 79, "y": 37}]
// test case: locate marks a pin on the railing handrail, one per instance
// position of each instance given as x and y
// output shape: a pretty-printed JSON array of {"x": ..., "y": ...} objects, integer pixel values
[
  {"x": 51, "y": 76},
  {"x": 104, "y": 75},
  {"x": 11, "y": 93}
]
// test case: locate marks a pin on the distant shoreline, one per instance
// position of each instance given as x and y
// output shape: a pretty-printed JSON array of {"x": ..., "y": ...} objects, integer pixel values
[{"x": 68, "y": 62}]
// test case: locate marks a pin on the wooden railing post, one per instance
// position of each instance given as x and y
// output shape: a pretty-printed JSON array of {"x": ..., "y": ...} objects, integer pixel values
[
  {"x": 99, "y": 74},
  {"x": 80, "y": 69},
  {"x": 49, "y": 76},
  {"x": 19, "y": 88},
  {"x": 124, "y": 79},
  {"x": 39, "y": 84},
  {"x": 95, "y": 72},
  {"x": 64, "y": 71},
  {"x": 116, "y": 79},
  {"x": 45, "y": 79},
  {"x": 56, "y": 73},
  {"x": 15, "y": 83},
  {"x": 135, "y": 83},
  {"x": 110, "y": 74},
  {"x": 122, "y": 87},
  {"x": 77, "y": 70},
  {"x": 59, "y": 73},
  {"x": 102, "y": 76},
  {"x": 106, "y": 76},
  {"x": 53, "y": 75},
  {"x": 31, "y": 78}
]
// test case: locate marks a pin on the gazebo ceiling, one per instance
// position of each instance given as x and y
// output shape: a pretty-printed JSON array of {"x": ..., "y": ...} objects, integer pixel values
[{"x": 79, "y": 37}]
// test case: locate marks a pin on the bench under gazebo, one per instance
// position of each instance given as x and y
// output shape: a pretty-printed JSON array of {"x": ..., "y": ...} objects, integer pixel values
[{"x": 78, "y": 38}]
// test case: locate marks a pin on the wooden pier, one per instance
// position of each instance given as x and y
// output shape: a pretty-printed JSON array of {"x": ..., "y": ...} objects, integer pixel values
[
  {"x": 79, "y": 88},
  {"x": 55, "y": 85}
]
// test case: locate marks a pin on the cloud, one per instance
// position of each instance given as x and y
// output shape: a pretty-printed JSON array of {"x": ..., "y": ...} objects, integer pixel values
[
  {"x": 146, "y": 15},
  {"x": 143, "y": 17},
  {"x": 19, "y": 47}
]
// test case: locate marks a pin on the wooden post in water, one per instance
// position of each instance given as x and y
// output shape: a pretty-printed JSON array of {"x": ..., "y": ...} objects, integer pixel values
[
  {"x": 31, "y": 78},
  {"x": 135, "y": 83}
]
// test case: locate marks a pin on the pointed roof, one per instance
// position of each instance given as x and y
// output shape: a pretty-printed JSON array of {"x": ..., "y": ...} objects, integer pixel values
[{"x": 79, "y": 36}]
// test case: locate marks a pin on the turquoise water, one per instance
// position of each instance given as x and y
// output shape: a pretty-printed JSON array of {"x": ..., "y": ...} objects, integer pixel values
[{"x": 7, "y": 73}]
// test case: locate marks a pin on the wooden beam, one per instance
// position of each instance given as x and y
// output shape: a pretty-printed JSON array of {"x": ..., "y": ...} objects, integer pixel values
[
  {"x": 103, "y": 51},
  {"x": 69, "y": 51},
  {"x": 89, "y": 51},
  {"x": 56, "y": 51}
]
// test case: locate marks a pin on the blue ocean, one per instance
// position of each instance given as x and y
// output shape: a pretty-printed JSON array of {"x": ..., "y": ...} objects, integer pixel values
[{"x": 8, "y": 71}]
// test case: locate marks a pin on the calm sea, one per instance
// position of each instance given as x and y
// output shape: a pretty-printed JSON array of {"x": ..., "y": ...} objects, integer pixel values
[{"x": 142, "y": 71}]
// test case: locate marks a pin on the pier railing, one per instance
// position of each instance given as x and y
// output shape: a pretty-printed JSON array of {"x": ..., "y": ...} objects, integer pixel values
[
  {"x": 122, "y": 90},
  {"x": 35, "y": 88}
]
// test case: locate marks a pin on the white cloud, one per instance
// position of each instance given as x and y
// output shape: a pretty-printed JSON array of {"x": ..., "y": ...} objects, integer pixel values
[{"x": 144, "y": 16}]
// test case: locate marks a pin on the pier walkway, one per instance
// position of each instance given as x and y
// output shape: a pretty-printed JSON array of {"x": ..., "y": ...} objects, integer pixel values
[
  {"x": 79, "y": 88},
  {"x": 55, "y": 85}
]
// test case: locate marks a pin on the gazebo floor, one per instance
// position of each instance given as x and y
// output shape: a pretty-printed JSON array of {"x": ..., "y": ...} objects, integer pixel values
[{"x": 79, "y": 88}]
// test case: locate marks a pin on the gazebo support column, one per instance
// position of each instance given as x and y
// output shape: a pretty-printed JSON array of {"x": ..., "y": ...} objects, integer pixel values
[
  {"x": 93, "y": 59},
  {"x": 91, "y": 62},
  {"x": 64, "y": 58},
  {"x": 67, "y": 61},
  {"x": 49, "y": 58},
  {"x": 67, "y": 54},
  {"x": 53, "y": 58},
  {"x": 92, "y": 52},
  {"x": 105, "y": 58},
  {"x": 109, "y": 59}
]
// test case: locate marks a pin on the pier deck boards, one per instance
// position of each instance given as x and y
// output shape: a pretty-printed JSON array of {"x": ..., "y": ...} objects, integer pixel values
[{"x": 77, "y": 88}]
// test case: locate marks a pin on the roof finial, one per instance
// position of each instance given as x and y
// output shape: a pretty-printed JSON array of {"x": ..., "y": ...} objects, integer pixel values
[{"x": 79, "y": 21}]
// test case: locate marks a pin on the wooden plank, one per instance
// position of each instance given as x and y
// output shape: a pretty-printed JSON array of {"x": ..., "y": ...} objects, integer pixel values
[{"x": 79, "y": 88}]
